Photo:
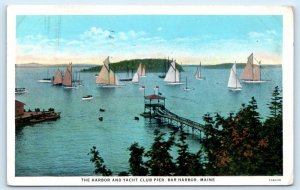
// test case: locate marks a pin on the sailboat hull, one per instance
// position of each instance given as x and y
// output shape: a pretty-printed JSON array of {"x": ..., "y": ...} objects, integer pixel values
[
  {"x": 20, "y": 91},
  {"x": 255, "y": 81},
  {"x": 58, "y": 84},
  {"x": 45, "y": 81},
  {"x": 71, "y": 87},
  {"x": 197, "y": 78},
  {"x": 235, "y": 89},
  {"x": 174, "y": 83},
  {"x": 87, "y": 98},
  {"x": 109, "y": 86},
  {"x": 127, "y": 79},
  {"x": 188, "y": 89}
]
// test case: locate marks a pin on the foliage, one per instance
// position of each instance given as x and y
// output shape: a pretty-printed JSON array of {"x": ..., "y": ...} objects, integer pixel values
[
  {"x": 275, "y": 105},
  {"x": 100, "y": 168},
  {"x": 188, "y": 164},
  {"x": 160, "y": 161},
  {"x": 244, "y": 145},
  {"x": 152, "y": 65},
  {"x": 136, "y": 163}
]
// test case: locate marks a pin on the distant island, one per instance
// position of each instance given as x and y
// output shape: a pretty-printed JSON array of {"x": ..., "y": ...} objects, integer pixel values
[
  {"x": 229, "y": 65},
  {"x": 53, "y": 65},
  {"x": 152, "y": 65}
]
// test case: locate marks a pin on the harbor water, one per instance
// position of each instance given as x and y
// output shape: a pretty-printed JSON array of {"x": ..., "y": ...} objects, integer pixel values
[{"x": 60, "y": 148}]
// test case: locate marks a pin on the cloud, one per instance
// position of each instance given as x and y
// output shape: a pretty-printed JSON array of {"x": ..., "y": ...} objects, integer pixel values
[
  {"x": 130, "y": 44},
  {"x": 95, "y": 34},
  {"x": 263, "y": 35},
  {"x": 122, "y": 36}
]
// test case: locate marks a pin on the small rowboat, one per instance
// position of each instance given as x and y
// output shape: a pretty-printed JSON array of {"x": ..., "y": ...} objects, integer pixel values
[{"x": 88, "y": 97}]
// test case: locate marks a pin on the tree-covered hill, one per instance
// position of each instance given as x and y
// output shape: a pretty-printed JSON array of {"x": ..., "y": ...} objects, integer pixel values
[{"x": 152, "y": 65}]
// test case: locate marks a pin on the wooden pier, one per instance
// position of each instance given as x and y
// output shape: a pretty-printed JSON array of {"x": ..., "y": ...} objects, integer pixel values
[
  {"x": 154, "y": 108},
  {"x": 29, "y": 117}
]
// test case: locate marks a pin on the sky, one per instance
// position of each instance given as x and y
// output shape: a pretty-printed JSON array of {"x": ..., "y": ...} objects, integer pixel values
[{"x": 189, "y": 39}]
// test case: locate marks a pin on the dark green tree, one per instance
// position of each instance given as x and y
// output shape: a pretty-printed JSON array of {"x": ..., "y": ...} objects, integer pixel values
[
  {"x": 246, "y": 137},
  {"x": 160, "y": 161},
  {"x": 100, "y": 168},
  {"x": 273, "y": 142},
  {"x": 136, "y": 163},
  {"x": 211, "y": 145},
  {"x": 188, "y": 164},
  {"x": 275, "y": 105}
]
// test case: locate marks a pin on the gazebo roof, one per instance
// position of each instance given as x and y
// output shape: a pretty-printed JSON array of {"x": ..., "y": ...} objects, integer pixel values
[{"x": 154, "y": 97}]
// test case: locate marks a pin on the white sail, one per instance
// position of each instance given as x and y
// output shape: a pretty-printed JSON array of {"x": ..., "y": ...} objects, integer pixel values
[
  {"x": 106, "y": 75},
  {"x": 198, "y": 74},
  {"x": 143, "y": 71},
  {"x": 135, "y": 78},
  {"x": 233, "y": 81},
  {"x": 173, "y": 75}
]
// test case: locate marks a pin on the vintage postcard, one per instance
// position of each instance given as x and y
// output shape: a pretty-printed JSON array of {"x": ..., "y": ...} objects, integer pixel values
[{"x": 149, "y": 95}]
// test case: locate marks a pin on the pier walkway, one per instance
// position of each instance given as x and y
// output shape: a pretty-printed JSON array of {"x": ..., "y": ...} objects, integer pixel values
[{"x": 155, "y": 108}]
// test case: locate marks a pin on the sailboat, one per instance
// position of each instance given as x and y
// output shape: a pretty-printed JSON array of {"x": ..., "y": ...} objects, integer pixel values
[
  {"x": 107, "y": 78},
  {"x": 67, "y": 80},
  {"x": 77, "y": 80},
  {"x": 141, "y": 70},
  {"x": 173, "y": 75},
  {"x": 46, "y": 80},
  {"x": 186, "y": 88},
  {"x": 163, "y": 75},
  {"x": 233, "y": 81},
  {"x": 198, "y": 74},
  {"x": 135, "y": 78},
  {"x": 19, "y": 91},
  {"x": 139, "y": 73},
  {"x": 127, "y": 77},
  {"x": 58, "y": 79},
  {"x": 252, "y": 72}
]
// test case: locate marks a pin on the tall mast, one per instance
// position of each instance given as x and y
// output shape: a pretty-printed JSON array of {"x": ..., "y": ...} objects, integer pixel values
[
  {"x": 235, "y": 76},
  {"x": 185, "y": 82},
  {"x": 200, "y": 69},
  {"x": 259, "y": 70},
  {"x": 175, "y": 70}
]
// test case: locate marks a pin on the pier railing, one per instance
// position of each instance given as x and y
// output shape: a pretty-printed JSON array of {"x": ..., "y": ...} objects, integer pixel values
[{"x": 164, "y": 114}]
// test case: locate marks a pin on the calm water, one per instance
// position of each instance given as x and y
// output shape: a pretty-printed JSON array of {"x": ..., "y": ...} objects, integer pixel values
[{"x": 60, "y": 148}]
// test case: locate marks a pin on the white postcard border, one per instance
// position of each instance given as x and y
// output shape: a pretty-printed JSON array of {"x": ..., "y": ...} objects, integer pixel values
[{"x": 288, "y": 93}]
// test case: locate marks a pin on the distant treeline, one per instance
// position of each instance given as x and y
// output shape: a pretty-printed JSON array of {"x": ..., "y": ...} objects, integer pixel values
[
  {"x": 229, "y": 65},
  {"x": 152, "y": 65}
]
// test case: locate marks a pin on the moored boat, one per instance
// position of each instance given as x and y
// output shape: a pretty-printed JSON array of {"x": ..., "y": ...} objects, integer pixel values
[
  {"x": 233, "y": 81},
  {"x": 186, "y": 88},
  {"x": 58, "y": 79},
  {"x": 20, "y": 90},
  {"x": 252, "y": 72},
  {"x": 107, "y": 77},
  {"x": 46, "y": 80},
  {"x": 68, "y": 82},
  {"x": 87, "y": 97},
  {"x": 198, "y": 74},
  {"x": 173, "y": 75}
]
